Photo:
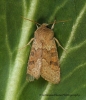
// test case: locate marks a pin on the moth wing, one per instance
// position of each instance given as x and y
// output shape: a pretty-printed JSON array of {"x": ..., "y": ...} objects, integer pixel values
[
  {"x": 29, "y": 78},
  {"x": 50, "y": 70},
  {"x": 34, "y": 63}
]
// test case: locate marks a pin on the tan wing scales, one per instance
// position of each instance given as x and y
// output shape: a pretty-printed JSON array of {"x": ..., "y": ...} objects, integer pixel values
[
  {"x": 50, "y": 70},
  {"x": 34, "y": 63}
]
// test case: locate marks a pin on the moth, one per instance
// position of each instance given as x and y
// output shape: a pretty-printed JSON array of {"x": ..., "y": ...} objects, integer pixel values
[{"x": 43, "y": 60}]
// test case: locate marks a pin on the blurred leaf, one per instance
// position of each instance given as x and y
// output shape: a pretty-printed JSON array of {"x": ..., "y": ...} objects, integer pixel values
[{"x": 15, "y": 32}]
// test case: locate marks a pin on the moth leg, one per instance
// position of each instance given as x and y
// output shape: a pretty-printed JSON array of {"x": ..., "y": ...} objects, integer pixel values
[
  {"x": 37, "y": 26},
  {"x": 58, "y": 43},
  {"x": 52, "y": 27},
  {"x": 27, "y": 44},
  {"x": 30, "y": 41}
]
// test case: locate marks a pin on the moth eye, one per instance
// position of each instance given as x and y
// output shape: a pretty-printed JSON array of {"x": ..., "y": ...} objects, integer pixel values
[{"x": 48, "y": 26}]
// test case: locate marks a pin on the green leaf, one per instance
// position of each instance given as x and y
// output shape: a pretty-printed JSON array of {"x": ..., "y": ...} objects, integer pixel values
[{"x": 16, "y": 32}]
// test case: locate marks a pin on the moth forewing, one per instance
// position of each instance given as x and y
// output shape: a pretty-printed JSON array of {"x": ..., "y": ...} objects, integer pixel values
[
  {"x": 43, "y": 60},
  {"x": 50, "y": 70}
]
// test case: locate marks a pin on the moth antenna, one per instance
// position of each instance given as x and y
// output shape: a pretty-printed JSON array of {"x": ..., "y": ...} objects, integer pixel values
[
  {"x": 63, "y": 21},
  {"x": 60, "y": 21},
  {"x": 30, "y": 20}
]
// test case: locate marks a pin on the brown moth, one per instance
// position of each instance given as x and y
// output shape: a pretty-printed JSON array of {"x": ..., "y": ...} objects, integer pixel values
[{"x": 43, "y": 60}]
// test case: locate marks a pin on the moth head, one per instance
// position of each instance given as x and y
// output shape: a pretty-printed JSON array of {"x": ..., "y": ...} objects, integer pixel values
[{"x": 45, "y": 24}]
